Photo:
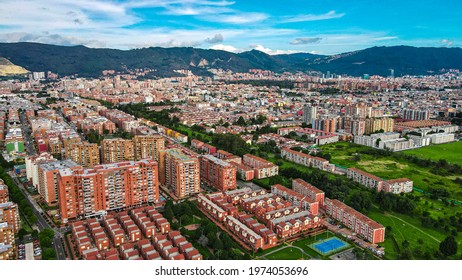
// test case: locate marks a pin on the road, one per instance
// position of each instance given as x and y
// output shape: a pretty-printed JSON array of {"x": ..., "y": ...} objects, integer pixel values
[{"x": 27, "y": 135}]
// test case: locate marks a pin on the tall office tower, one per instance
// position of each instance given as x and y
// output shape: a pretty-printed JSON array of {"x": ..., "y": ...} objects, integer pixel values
[
  {"x": 93, "y": 191},
  {"x": 116, "y": 150},
  {"x": 181, "y": 170},
  {"x": 309, "y": 113},
  {"x": 84, "y": 153},
  {"x": 218, "y": 173},
  {"x": 377, "y": 124},
  {"x": 148, "y": 146}
]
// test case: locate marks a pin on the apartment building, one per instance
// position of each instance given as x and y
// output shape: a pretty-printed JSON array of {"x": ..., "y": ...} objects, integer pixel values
[
  {"x": 365, "y": 179},
  {"x": 47, "y": 178},
  {"x": 181, "y": 172},
  {"x": 376, "y": 124},
  {"x": 290, "y": 225},
  {"x": 93, "y": 191},
  {"x": 307, "y": 160},
  {"x": 397, "y": 186},
  {"x": 84, "y": 153},
  {"x": 9, "y": 213},
  {"x": 117, "y": 150},
  {"x": 217, "y": 173},
  {"x": 148, "y": 146},
  {"x": 4, "y": 194},
  {"x": 262, "y": 168},
  {"x": 359, "y": 223},
  {"x": 306, "y": 189},
  {"x": 32, "y": 163},
  {"x": 7, "y": 242}
]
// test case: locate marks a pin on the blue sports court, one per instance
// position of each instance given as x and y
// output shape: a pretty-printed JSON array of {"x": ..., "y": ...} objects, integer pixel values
[{"x": 329, "y": 245}]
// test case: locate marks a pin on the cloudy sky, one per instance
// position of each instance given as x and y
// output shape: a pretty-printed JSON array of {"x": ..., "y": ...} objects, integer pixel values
[{"x": 275, "y": 27}]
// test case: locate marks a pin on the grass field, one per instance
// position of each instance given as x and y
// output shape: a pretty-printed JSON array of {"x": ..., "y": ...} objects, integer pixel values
[
  {"x": 451, "y": 152},
  {"x": 390, "y": 168},
  {"x": 288, "y": 253}
]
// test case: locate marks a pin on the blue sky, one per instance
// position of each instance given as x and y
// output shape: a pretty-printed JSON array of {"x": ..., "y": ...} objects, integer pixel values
[{"x": 275, "y": 27}]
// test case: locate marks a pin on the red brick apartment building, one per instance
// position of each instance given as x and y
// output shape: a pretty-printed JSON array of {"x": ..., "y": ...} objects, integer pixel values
[
  {"x": 262, "y": 168},
  {"x": 116, "y": 150},
  {"x": 9, "y": 213},
  {"x": 395, "y": 186},
  {"x": 4, "y": 197},
  {"x": 359, "y": 223},
  {"x": 307, "y": 160},
  {"x": 306, "y": 189},
  {"x": 97, "y": 240},
  {"x": 299, "y": 200},
  {"x": 217, "y": 173},
  {"x": 88, "y": 192}
]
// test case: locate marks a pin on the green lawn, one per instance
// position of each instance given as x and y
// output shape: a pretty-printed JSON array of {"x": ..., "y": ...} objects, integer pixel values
[
  {"x": 451, "y": 152},
  {"x": 390, "y": 168},
  {"x": 421, "y": 239},
  {"x": 287, "y": 254}
]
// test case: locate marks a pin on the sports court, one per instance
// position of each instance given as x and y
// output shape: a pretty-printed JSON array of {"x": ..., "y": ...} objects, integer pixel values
[{"x": 329, "y": 245}]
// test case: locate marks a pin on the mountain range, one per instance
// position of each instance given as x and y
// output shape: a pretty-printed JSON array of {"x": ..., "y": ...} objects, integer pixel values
[{"x": 89, "y": 62}]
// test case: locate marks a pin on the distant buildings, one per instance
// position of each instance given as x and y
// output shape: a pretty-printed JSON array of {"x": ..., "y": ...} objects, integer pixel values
[
  {"x": 377, "y": 124},
  {"x": 309, "y": 113},
  {"x": 396, "y": 186},
  {"x": 415, "y": 115}
]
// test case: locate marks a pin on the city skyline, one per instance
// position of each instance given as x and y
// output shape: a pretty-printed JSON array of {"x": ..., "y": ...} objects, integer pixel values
[{"x": 321, "y": 27}]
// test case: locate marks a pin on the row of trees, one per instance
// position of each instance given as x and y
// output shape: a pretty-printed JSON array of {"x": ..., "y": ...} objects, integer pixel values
[
  {"x": 18, "y": 197},
  {"x": 46, "y": 242}
]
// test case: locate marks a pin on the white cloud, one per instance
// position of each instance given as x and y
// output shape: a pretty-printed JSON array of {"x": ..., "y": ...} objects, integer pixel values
[
  {"x": 227, "y": 48},
  {"x": 47, "y": 38},
  {"x": 313, "y": 17},
  {"x": 236, "y": 18},
  {"x": 273, "y": 52},
  {"x": 385, "y": 38},
  {"x": 447, "y": 42}
]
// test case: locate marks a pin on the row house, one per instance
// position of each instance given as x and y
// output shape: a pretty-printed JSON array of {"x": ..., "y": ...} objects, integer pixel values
[
  {"x": 294, "y": 224},
  {"x": 269, "y": 237},
  {"x": 235, "y": 196},
  {"x": 115, "y": 231},
  {"x": 297, "y": 199},
  {"x": 211, "y": 208},
  {"x": 249, "y": 204},
  {"x": 243, "y": 232}
]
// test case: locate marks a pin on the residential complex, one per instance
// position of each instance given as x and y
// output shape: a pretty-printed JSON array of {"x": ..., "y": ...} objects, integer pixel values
[
  {"x": 116, "y": 150},
  {"x": 359, "y": 223},
  {"x": 217, "y": 173},
  {"x": 180, "y": 172},
  {"x": 148, "y": 146},
  {"x": 94, "y": 191}
]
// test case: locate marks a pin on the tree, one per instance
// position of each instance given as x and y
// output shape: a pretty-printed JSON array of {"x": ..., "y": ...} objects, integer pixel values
[
  {"x": 49, "y": 254},
  {"x": 241, "y": 121},
  {"x": 448, "y": 246}
]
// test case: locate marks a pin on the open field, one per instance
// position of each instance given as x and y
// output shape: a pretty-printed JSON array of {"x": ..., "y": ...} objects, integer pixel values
[
  {"x": 288, "y": 253},
  {"x": 451, "y": 152},
  {"x": 390, "y": 168}
]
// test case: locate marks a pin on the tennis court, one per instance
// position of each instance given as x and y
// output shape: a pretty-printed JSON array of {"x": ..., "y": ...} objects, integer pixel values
[{"x": 328, "y": 246}]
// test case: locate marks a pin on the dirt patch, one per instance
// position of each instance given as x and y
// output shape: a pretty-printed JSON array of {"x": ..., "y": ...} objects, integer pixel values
[{"x": 192, "y": 227}]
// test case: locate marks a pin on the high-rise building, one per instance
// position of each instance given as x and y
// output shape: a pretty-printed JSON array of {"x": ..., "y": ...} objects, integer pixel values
[
  {"x": 116, "y": 150},
  {"x": 148, "y": 146},
  {"x": 6, "y": 242},
  {"x": 377, "y": 124},
  {"x": 47, "y": 178},
  {"x": 309, "y": 113},
  {"x": 415, "y": 115},
  {"x": 3, "y": 192},
  {"x": 218, "y": 173},
  {"x": 84, "y": 153},
  {"x": 105, "y": 187},
  {"x": 181, "y": 170},
  {"x": 326, "y": 124},
  {"x": 9, "y": 214},
  {"x": 32, "y": 163}
]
